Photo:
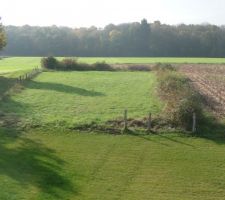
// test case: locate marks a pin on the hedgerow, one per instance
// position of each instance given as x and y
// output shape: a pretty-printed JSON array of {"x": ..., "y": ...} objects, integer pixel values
[
  {"x": 71, "y": 64},
  {"x": 181, "y": 99}
]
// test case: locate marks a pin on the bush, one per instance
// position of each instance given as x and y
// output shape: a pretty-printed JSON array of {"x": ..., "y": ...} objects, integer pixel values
[
  {"x": 49, "y": 63},
  {"x": 139, "y": 68},
  {"x": 163, "y": 67},
  {"x": 102, "y": 66},
  {"x": 180, "y": 97},
  {"x": 68, "y": 64}
]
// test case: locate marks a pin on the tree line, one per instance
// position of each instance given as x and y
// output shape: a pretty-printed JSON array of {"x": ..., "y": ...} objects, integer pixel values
[{"x": 128, "y": 39}]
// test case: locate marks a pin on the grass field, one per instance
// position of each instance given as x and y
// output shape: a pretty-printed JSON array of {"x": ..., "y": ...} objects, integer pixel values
[
  {"x": 67, "y": 165},
  {"x": 51, "y": 162},
  {"x": 12, "y": 64},
  {"x": 70, "y": 98}
]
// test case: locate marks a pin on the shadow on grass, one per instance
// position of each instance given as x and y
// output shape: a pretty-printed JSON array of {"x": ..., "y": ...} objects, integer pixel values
[
  {"x": 62, "y": 88},
  {"x": 31, "y": 163},
  {"x": 144, "y": 136},
  {"x": 212, "y": 129},
  {"x": 6, "y": 84}
]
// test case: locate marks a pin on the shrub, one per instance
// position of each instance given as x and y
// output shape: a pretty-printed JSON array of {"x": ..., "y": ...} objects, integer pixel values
[
  {"x": 139, "y": 68},
  {"x": 71, "y": 64},
  {"x": 49, "y": 63},
  {"x": 180, "y": 97},
  {"x": 163, "y": 67},
  {"x": 68, "y": 64},
  {"x": 102, "y": 66}
]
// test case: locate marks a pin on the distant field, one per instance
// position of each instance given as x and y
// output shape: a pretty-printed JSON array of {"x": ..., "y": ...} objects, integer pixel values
[
  {"x": 153, "y": 60},
  {"x": 12, "y": 64}
]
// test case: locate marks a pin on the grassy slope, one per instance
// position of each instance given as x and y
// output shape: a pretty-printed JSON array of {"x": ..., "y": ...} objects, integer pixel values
[
  {"x": 87, "y": 166},
  {"x": 71, "y": 98}
]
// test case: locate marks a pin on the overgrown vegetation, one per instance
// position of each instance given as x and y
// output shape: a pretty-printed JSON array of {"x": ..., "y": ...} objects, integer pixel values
[
  {"x": 72, "y": 64},
  {"x": 181, "y": 98}
]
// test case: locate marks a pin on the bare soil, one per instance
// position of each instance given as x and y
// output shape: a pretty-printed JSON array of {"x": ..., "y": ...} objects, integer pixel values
[{"x": 209, "y": 80}]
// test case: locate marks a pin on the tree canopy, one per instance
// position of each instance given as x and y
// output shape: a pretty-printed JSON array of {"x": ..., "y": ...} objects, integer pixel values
[
  {"x": 128, "y": 39},
  {"x": 2, "y": 36}
]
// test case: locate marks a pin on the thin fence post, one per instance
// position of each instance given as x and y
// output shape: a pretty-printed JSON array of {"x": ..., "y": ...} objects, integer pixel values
[
  {"x": 194, "y": 123},
  {"x": 125, "y": 119},
  {"x": 149, "y": 122}
]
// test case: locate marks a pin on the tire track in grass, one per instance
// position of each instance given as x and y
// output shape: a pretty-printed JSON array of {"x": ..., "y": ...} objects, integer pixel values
[
  {"x": 95, "y": 174},
  {"x": 102, "y": 161},
  {"x": 112, "y": 176},
  {"x": 133, "y": 174}
]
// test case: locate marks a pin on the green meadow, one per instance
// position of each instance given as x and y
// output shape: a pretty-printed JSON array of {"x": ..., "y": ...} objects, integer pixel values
[
  {"x": 43, "y": 158},
  {"x": 13, "y": 64},
  {"x": 73, "y": 98}
]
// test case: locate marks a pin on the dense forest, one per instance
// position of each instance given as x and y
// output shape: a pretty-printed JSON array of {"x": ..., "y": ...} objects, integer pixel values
[{"x": 129, "y": 39}]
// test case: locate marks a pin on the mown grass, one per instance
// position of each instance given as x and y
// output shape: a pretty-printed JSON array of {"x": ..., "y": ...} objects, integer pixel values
[
  {"x": 73, "y": 98},
  {"x": 70, "y": 165}
]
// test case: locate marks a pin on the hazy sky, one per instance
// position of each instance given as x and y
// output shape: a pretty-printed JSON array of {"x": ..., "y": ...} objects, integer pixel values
[{"x": 84, "y": 13}]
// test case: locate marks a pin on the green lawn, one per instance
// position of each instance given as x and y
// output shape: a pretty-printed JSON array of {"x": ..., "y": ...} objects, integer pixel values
[
  {"x": 74, "y": 98},
  {"x": 69, "y": 165}
]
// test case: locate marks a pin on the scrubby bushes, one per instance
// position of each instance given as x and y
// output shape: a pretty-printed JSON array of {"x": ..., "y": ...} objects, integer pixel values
[
  {"x": 102, "y": 66},
  {"x": 49, "y": 63},
  {"x": 180, "y": 97},
  {"x": 138, "y": 68},
  {"x": 163, "y": 67},
  {"x": 71, "y": 64}
]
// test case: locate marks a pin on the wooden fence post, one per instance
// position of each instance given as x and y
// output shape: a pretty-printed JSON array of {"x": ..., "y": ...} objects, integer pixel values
[
  {"x": 149, "y": 122},
  {"x": 125, "y": 119},
  {"x": 194, "y": 123}
]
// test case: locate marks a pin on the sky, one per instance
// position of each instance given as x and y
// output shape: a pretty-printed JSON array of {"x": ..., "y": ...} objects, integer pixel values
[{"x": 86, "y": 13}]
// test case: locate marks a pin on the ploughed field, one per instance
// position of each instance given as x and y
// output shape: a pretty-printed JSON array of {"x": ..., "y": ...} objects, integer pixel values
[
  {"x": 210, "y": 82},
  {"x": 42, "y": 157}
]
